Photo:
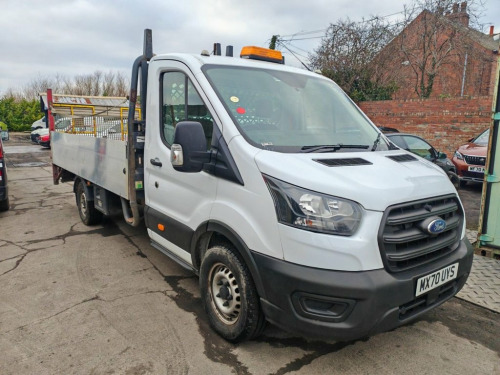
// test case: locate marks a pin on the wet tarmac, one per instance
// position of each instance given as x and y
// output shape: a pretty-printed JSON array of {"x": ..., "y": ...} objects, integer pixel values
[{"x": 101, "y": 300}]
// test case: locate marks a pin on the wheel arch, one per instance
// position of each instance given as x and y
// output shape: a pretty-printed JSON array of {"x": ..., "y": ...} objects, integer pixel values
[
  {"x": 214, "y": 232},
  {"x": 89, "y": 191}
]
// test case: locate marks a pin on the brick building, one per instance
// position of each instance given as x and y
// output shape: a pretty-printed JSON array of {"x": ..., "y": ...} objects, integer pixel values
[
  {"x": 438, "y": 55},
  {"x": 460, "y": 104}
]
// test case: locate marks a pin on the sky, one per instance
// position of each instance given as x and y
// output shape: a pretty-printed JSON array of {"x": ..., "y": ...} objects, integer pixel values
[{"x": 45, "y": 38}]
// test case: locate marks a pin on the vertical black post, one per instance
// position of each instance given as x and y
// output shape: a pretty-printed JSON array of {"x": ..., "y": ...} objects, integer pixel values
[
  {"x": 217, "y": 49},
  {"x": 136, "y": 132}
]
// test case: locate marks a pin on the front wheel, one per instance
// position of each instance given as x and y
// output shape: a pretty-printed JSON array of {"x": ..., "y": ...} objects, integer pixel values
[
  {"x": 455, "y": 180},
  {"x": 229, "y": 295},
  {"x": 86, "y": 209}
]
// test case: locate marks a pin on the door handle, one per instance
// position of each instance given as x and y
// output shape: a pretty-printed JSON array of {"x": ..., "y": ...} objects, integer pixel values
[{"x": 156, "y": 162}]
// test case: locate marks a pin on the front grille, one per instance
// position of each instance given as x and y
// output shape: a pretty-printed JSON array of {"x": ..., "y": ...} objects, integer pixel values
[
  {"x": 475, "y": 160},
  {"x": 404, "y": 242},
  {"x": 477, "y": 175}
]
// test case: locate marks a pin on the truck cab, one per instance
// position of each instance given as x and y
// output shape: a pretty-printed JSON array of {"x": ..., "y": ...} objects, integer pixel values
[{"x": 329, "y": 220}]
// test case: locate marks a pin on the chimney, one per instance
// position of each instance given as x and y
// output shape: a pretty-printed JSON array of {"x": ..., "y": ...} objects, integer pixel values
[
  {"x": 461, "y": 16},
  {"x": 492, "y": 30}
]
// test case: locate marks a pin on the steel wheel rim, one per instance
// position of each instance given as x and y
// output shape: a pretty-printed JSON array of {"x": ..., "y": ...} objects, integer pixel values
[
  {"x": 225, "y": 294},
  {"x": 83, "y": 204}
]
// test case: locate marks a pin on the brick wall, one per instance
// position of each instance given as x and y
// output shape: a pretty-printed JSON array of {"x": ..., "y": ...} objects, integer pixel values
[{"x": 444, "y": 123}]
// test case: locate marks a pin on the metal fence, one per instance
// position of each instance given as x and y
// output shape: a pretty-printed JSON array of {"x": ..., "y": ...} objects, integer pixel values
[{"x": 85, "y": 121}]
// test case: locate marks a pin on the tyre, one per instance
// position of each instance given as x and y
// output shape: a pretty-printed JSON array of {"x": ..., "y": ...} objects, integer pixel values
[
  {"x": 229, "y": 295},
  {"x": 455, "y": 180},
  {"x": 86, "y": 209},
  {"x": 462, "y": 183},
  {"x": 4, "y": 205}
]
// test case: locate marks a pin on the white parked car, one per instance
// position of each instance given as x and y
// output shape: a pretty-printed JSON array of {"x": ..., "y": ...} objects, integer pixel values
[
  {"x": 39, "y": 124},
  {"x": 61, "y": 124}
]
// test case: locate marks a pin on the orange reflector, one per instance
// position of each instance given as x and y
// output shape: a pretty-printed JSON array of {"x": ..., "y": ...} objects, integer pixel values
[
  {"x": 161, "y": 227},
  {"x": 259, "y": 53}
]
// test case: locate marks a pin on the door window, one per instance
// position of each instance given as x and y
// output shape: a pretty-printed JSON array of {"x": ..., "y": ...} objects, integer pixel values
[
  {"x": 181, "y": 102},
  {"x": 420, "y": 147}
]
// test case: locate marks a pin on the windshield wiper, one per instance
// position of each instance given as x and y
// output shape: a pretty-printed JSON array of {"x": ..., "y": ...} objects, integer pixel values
[
  {"x": 330, "y": 148},
  {"x": 377, "y": 141}
]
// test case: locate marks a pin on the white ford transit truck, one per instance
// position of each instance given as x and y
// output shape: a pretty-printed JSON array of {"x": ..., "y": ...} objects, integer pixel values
[{"x": 278, "y": 192}]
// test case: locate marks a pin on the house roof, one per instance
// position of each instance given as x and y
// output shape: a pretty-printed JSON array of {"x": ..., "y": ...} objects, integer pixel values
[{"x": 482, "y": 39}]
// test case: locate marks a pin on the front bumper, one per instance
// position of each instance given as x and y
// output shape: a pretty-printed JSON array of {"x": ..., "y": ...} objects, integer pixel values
[
  {"x": 463, "y": 171},
  {"x": 345, "y": 306}
]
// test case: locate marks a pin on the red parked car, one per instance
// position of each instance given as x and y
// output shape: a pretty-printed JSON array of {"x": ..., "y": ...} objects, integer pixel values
[
  {"x": 470, "y": 159},
  {"x": 44, "y": 140},
  {"x": 4, "y": 196}
]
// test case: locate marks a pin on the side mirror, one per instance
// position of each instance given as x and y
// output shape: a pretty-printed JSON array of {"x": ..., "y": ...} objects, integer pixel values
[
  {"x": 189, "y": 149},
  {"x": 442, "y": 155}
]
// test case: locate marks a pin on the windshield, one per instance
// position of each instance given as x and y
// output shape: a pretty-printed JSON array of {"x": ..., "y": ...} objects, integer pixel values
[
  {"x": 483, "y": 138},
  {"x": 290, "y": 112}
]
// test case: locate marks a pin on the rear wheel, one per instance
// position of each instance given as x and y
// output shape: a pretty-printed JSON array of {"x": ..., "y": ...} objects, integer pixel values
[
  {"x": 86, "y": 209},
  {"x": 229, "y": 295}
]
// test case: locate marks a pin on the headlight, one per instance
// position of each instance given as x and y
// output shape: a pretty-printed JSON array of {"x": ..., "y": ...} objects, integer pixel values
[
  {"x": 309, "y": 210},
  {"x": 458, "y": 155}
]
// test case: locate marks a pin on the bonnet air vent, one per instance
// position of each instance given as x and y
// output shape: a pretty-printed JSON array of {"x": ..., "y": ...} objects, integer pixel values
[
  {"x": 343, "y": 162},
  {"x": 402, "y": 158}
]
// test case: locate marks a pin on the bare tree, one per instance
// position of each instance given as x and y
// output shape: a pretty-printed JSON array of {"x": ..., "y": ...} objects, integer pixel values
[
  {"x": 108, "y": 84},
  {"x": 346, "y": 52},
  {"x": 94, "y": 84},
  {"x": 122, "y": 85},
  {"x": 39, "y": 84},
  {"x": 433, "y": 40}
]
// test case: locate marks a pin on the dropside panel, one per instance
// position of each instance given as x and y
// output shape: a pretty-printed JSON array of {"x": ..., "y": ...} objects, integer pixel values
[{"x": 99, "y": 160}]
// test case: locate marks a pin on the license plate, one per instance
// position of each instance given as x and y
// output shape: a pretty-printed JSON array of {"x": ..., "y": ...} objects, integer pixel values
[
  {"x": 435, "y": 279},
  {"x": 476, "y": 169}
]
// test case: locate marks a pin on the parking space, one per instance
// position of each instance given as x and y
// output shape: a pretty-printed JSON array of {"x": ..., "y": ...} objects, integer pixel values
[{"x": 101, "y": 300}]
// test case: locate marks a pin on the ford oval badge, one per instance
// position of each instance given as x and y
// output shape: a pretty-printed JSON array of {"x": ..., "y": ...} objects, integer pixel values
[{"x": 436, "y": 226}]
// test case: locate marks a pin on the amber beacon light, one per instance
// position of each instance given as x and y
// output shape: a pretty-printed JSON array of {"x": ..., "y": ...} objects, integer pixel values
[{"x": 263, "y": 54}]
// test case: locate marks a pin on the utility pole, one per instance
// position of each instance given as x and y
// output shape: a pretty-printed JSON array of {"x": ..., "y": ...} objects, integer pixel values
[{"x": 274, "y": 39}]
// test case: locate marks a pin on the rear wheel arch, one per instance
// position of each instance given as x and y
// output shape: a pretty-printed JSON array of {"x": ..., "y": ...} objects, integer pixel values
[{"x": 84, "y": 196}]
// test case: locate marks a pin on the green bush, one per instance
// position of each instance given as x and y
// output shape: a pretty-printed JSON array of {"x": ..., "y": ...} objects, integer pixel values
[{"x": 19, "y": 114}]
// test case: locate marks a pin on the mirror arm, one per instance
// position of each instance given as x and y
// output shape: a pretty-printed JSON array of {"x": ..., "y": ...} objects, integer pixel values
[{"x": 202, "y": 156}]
